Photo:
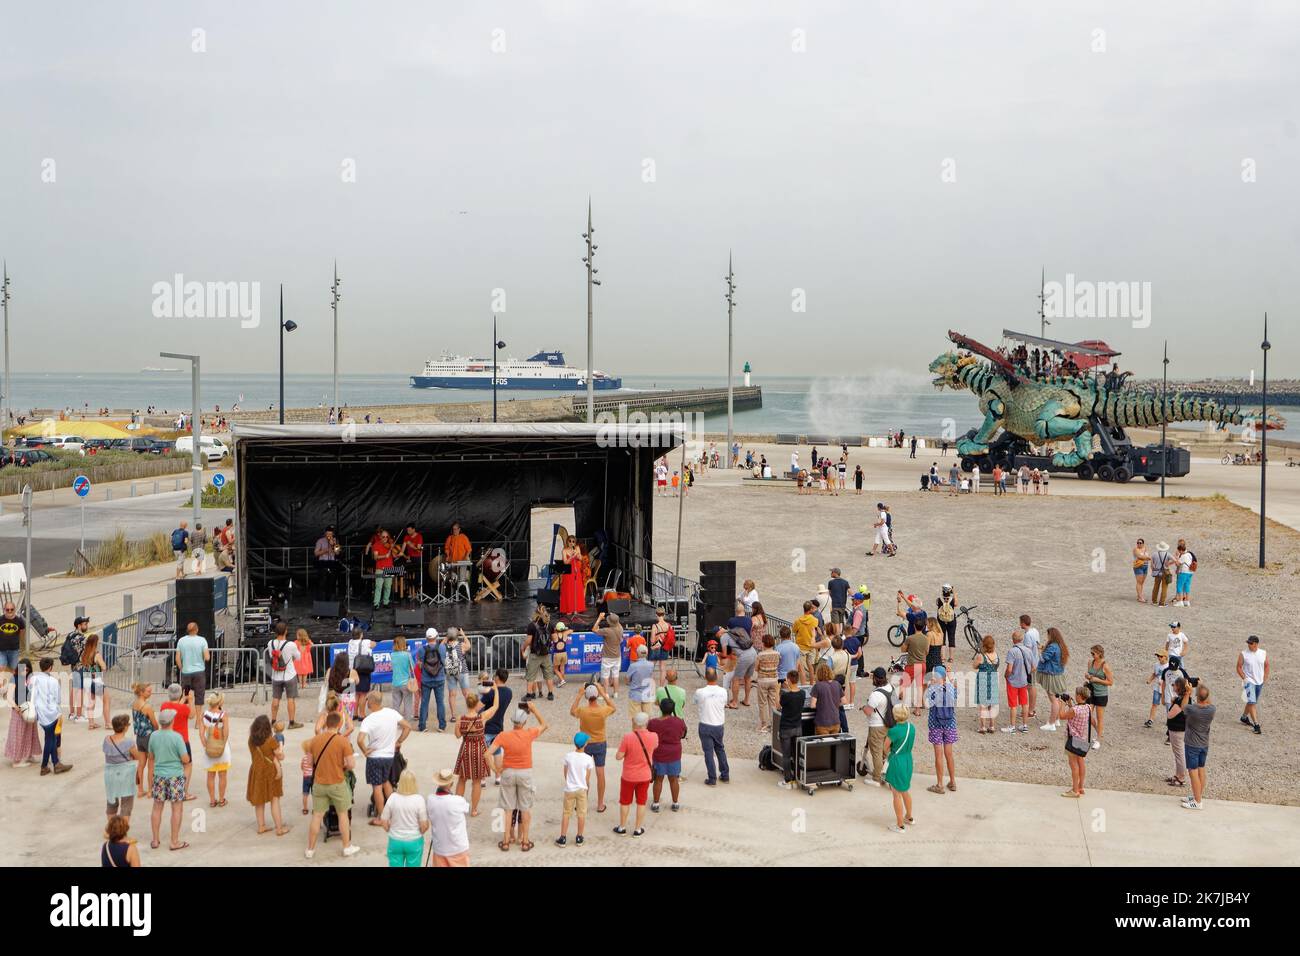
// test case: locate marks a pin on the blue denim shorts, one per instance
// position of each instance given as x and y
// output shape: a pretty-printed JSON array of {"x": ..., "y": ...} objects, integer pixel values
[
  {"x": 1196, "y": 757},
  {"x": 1253, "y": 692},
  {"x": 9, "y": 660},
  {"x": 673, "y": 769},
  {"x": 597, "y": 752}
]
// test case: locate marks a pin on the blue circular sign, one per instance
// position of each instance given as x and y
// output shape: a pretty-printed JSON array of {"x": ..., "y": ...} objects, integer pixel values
[
  {"x": 81, "y": 485},
  {"x": 218, "y": 480}
]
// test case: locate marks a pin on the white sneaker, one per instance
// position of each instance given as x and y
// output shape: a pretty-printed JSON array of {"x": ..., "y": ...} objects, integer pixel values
[
  {"x": 784, "y": 785},
  {"x": 896, "y": 829},
  {"x": 311, "y": 854},
  {"x": 1096, "y": 745},
  {"x": 1048, "y": 727},
  {"x": 351, "y": 850},
  {"x": 1009, "y": 730},
  {"x": 1191, "y": 805}
]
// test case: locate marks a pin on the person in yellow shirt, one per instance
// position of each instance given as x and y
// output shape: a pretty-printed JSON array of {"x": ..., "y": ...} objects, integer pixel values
[{"x": 808, "y": 636}]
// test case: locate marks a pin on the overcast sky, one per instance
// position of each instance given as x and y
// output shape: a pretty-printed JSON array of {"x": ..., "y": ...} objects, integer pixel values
[{"x": 909, "y": 165}]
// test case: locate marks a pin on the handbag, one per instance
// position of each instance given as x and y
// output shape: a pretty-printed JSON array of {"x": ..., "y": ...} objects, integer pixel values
[{"x": 1078, "y": 745}]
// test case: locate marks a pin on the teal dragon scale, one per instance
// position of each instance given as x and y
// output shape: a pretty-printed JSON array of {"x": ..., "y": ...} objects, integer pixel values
[{"x": 1043, "y": 409}]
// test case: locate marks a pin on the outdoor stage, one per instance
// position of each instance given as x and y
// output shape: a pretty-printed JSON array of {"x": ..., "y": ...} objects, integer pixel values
[{"x": 499, "y": 482}]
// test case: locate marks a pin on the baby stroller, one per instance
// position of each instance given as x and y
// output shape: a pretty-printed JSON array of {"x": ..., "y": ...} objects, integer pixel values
[{"x": 330, "y": 824}]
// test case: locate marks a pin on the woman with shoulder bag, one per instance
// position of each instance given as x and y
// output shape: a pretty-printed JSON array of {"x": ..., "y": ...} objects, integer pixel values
[
  {"x": 1078, "y": 739},
  {"x": 266, "y": 775},
  {"x": 946, "y": 608}
]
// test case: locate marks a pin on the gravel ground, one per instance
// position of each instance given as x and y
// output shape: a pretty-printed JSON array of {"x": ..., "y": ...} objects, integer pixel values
[{"x": 1063, "y": 560}]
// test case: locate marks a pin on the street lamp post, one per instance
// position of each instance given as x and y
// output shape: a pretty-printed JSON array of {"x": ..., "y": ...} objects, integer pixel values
[
  {"x": 27, "y": 568},
  {"x": 1263, "y": 439},
  {"x": 589, "y": 261},
  {"x": 496, "y": 344},
  {"x": 334, "y": 307},
  {"x": 5, "y": 399},
  {"x": 1164, "y": 425},
  {"x": 731, "y": 378},
  {"x": 196, "y": 431},
  {"x": 284, "y": 327}
]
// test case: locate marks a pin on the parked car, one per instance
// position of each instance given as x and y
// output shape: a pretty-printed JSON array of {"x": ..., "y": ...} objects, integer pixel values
[
  {"x": 94, "y": 445},
  {"x": 24, "y": 457},
  {"x": 214, "y": 449},
  {"x": 141, "y": 445}
]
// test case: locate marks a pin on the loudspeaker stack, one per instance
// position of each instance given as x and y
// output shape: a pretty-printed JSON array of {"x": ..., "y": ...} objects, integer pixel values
[{"x": 717, "y": 596}]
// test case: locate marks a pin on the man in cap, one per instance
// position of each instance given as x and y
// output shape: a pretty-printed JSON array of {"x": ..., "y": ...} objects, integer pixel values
[
  {"x": 609, "y": 630},
  {"x": 883, "y": 541},
  {"x": 1252, "y": 668},
  {"x": 592, "y": 708},
  {"x": 1162, "y": 573},
  {"x": 75, "y": 644},
  {"x": 512, "y": 753},
  {"x": 880, "y": 703},
  {"x": 433, "y": 679}
]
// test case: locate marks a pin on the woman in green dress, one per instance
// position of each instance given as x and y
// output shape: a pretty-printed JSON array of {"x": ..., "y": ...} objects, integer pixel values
[{"x": 898, "y": 775}]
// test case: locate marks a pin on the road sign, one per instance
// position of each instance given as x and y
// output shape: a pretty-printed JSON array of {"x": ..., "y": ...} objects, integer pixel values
[
  {"x": 218, "y": 480},
  {"x": 81, "y": 485}
]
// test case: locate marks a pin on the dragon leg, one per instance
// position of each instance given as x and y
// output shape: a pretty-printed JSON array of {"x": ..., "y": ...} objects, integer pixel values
[
  {"x": 1051, "y": 426},
  {"x": 979, "y": 444}
]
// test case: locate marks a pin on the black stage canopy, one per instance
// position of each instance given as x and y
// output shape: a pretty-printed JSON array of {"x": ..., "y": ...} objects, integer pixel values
[{"x": 295, "y": 480}]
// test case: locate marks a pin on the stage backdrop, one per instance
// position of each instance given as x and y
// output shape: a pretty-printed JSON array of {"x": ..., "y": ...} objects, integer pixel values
[{"x": 294, "y": 480}]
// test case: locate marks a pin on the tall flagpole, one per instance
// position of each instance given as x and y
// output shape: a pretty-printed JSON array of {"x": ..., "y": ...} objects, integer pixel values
[
  {"x": 589, "y": 261},
  {"x": 334, "y": 306},
  {"x": 731, "y": 378},
  {"x": 8, "y": 383}
]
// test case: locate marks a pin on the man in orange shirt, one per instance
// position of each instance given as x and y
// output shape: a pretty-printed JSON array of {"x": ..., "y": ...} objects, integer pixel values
[
  {"x": 515, "y": 767},
  {"x": 457, "y": 548}
]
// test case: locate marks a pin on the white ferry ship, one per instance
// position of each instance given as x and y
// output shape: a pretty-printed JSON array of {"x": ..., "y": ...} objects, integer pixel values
[{"x": 545, "y": 371}]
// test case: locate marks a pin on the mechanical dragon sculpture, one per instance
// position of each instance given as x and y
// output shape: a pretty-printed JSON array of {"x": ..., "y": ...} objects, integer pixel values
[{"x": 1050, "y": 408}]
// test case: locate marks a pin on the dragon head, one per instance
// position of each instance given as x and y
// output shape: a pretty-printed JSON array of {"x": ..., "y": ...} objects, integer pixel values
[{"x": 945, "y": 370}]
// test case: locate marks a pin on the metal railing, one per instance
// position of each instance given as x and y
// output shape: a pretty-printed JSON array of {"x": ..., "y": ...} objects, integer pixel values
[{"x": 231, "y": 669}]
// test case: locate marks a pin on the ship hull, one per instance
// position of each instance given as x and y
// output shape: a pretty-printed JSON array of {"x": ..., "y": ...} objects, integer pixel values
[{"x": 484, "y": 382}]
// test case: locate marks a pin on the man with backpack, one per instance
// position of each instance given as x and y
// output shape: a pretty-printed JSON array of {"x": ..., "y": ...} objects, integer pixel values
[
  {"x": 180, "y": 547},
  {"x": 282, "y": 654},
  {"x": 70, "y": 656},
  {"x": 433, "y": 678},
  {"x": 538, "y": 665},
  {"x": 879, "y": 709}
]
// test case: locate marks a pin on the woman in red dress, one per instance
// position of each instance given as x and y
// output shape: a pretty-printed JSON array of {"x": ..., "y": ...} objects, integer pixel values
[{"x": 573, "y": 586}]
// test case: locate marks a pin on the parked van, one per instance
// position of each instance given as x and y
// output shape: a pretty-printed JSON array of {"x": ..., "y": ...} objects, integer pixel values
[{"x": 214, "y": 449}]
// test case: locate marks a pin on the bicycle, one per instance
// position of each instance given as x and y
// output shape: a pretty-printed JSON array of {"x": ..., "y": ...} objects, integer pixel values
[
  {"x": 897, "y": 634},
  {"x": 972, "y": 633}
]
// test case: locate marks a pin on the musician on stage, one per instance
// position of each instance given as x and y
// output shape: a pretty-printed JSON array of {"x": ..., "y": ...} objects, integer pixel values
[
  {"x": 455, "y": 550},
  {"x": 383, "y": 549},
  {"x": 573, "y": 584},
  {"x": 328, "y": 568},
  {"x": 410, "y": 550}
]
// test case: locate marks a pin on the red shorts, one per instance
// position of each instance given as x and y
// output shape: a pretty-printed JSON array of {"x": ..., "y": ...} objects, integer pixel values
[
  {"x": 1017, "y": 696},
  {"x": 916, "y": 681},
  {"x": 627, "y": 789}
]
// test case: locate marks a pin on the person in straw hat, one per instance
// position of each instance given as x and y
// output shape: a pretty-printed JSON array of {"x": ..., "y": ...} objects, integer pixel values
[{"x": 448, "y": 835}]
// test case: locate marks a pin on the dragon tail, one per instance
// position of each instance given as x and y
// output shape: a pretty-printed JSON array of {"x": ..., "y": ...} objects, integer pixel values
[{"x": 1137, "y": 409}]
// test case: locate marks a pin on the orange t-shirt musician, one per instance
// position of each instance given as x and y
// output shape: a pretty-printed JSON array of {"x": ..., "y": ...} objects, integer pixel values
[{"x": 456, "y": 547}]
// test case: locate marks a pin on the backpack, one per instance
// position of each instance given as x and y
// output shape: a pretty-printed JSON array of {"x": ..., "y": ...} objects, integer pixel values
[
  {"x": 888, "y": 715},
  {"x": 432, "y": 667},
  {"x": 946, "y": 611},
  {"x": 364, "y": 663},
  {"x": 178, "y": 539},
  {"x": 537, "y": 644},
  {"x": 1193, "y": 554},
  {"x": 670, "y": 640},
  {"x": 741, "y": 638},
  {"x": 889, "y": 521},
  {"x": 278, "y": 662},
  {"x": 68, "y": 654}
]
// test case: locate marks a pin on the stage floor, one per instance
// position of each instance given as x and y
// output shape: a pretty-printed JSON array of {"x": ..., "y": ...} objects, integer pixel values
[{"x": 488, "y": 617}]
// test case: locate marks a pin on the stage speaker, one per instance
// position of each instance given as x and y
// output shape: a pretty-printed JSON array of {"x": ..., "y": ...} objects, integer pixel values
[
  {"x": 620, "y": 606},
  {"x": 408, "y": 616},
  {"x": 194, "y": 603},
  {"x": 549, "y": 597},
  {"x": 710, "y": 617},
  {"x": 326, "y": 609},
  {"x": 722, "y": 597},
  {"x": 722, "y": 568}
]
